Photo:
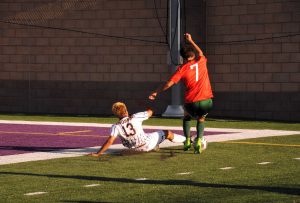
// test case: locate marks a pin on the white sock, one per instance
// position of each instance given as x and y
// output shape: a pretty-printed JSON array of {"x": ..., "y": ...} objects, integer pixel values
[{"x": 178, "y": 138}]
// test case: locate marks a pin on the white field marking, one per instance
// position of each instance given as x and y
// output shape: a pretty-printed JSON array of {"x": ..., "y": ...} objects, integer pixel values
[
  {"x": 297, "y": 158},
  {"x": 140, "y": 179},
  {"x": 55, "y": 123},
  {"x": 227, "y": 168},
  {"x": 184, "y": 173},
  {"x": 264, "y": 163},
  {"x": 261, "y": 133},
  {"x": 232, "y": 134},
  {"x": 35, "y": 193},
  {"x": 262, "y": 143},
  {"x": 91, "y": 185},
  {"x": 39, "y": 156}
]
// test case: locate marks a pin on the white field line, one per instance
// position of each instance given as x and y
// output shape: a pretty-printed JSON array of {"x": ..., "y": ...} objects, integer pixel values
[
  {"x": 55, "y": 123},
  {"x": 35, "y": 193},
  {"x": 227, "y": 130},
  {"x": 141, "y": 179},
  {"x": 91, "y": 185},
  {"x": 297, "y": 158},
  {"x": 264, "y": 163},
  {"x": 227, "y": 168},
  {"x": 38, "y": 156},
  {"x": 231, "y": 134},
  {"x": 184, "y": 173}
]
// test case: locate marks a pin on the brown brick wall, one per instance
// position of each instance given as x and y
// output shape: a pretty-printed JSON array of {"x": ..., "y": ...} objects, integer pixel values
[
  {"x": 51, "y": 54},
  {"x": 72, "y": 97},
  {"x": 265, "y": 72},
  {"x": 55, "y": 71}
]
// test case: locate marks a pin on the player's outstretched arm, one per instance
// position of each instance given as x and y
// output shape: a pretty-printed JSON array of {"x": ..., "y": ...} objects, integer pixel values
[
  {"x": 106, "y": 145},
  {"x": 166, "y": 86},
  {"x": 188, "y": 38},
  {"x": 150, "y": 112}
]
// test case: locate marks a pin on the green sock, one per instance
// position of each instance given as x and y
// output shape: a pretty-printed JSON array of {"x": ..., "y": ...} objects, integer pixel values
[
  {"x": 200, "y": 129},
  {"x": 186, "y": 128}
]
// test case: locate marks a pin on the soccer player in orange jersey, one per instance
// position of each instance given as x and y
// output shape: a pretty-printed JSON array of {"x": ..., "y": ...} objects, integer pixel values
[{"x": 198, "y": 94}]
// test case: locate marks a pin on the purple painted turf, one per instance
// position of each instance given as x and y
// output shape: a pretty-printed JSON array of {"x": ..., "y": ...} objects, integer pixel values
[{"x": 26, "y": 140}]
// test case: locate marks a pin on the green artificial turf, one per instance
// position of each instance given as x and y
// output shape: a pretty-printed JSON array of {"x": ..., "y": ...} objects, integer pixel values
[{"x": 116, "y": 174}]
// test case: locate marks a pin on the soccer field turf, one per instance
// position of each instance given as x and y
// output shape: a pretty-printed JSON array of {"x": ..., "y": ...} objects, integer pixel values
[
  {"x": 225, "y": 172},
  {"x": 253, "y": 170}
]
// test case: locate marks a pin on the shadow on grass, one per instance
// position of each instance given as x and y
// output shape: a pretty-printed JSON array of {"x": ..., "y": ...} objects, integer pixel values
[
  {"x": 280, "y": 190},
  {"x": 82, "y": 201},
  {"x": 164, "y": 153}
]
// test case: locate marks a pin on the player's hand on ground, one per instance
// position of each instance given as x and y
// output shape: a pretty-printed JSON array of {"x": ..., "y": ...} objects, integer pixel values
[
  {"x": 153, "y": 96},
  {"x": 93, "y": 155}
]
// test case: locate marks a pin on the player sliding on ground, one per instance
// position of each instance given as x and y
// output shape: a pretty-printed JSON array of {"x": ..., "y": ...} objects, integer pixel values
[
  {"x": 198, "y": 94},
  {"x": 129, "y": 129}
]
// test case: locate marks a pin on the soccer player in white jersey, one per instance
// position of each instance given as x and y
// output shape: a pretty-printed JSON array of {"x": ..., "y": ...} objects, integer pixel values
[{"x": 130, "y": 130}]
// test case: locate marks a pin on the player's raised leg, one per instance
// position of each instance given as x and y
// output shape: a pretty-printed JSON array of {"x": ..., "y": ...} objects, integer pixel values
[
  {"x": 174, "y": 137},
  {"x": 158, "y": 137}
]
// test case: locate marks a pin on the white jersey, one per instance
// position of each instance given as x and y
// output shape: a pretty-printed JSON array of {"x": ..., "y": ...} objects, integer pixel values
[{"x": 130, "y": 130}]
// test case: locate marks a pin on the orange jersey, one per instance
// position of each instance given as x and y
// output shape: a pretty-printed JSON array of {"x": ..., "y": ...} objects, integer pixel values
[{"x": 195, "y": 77}]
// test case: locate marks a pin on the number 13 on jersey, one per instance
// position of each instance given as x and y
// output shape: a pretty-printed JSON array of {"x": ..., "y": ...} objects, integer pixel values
[{"x": 129, "y": 130}]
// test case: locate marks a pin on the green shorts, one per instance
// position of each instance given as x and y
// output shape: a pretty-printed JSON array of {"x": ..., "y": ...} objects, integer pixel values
[{"x": 199, "y": 109}]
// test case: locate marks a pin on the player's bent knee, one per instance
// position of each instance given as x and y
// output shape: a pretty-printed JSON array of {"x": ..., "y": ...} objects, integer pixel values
[
  {"x": 202, "y": 119},
  {"x": 168, "y": 134}
]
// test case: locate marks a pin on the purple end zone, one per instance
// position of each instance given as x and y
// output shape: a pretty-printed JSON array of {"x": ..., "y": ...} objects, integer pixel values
[{"x": 19, "y": 138}]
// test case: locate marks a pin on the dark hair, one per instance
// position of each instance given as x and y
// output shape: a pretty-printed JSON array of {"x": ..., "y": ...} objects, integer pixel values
[{"x": 187, "y": 51}]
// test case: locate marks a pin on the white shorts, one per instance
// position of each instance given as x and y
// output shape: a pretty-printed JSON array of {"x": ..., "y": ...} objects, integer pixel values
[{"x": 155, "y": 139}]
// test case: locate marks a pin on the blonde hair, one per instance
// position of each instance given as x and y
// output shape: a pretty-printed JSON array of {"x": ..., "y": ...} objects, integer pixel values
[{"x": 119, "y": 109}]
